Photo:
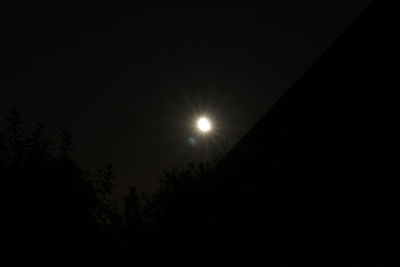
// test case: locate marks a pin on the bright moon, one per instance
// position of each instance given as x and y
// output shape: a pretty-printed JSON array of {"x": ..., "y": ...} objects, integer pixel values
[{"x": 203, "y": 124}]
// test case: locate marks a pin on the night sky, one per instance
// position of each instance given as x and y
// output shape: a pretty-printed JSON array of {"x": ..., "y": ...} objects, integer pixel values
[{"x": 129, "y": 80}]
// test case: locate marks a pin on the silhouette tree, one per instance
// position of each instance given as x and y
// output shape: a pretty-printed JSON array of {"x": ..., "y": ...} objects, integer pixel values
[
  {"x": 180, "y": 216},
  {"x": 52, "y": 209},
  {"x": 134, "y": 235},
  {"x": 47, "y": 196}
]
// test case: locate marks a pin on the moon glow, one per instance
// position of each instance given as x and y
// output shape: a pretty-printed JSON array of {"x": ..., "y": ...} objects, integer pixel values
[{"x": 203, "y": 124}]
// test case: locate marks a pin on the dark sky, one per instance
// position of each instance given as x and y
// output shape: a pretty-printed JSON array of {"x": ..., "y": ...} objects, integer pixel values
[{"x": 128, "y": 80}]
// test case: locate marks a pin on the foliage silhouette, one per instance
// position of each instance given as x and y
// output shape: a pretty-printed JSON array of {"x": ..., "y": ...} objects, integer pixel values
[
  {"x": 53, "y": 210},
  {"x": 47, "y": 196}
]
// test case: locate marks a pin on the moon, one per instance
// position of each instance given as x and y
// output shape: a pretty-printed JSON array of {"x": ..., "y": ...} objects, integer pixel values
[{"x": 204, "y": 125}]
